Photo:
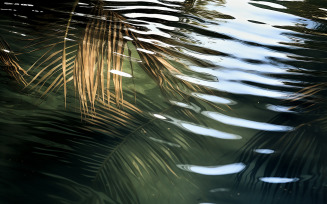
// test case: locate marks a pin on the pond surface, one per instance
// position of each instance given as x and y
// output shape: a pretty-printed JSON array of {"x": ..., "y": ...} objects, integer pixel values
[{"x": 163, "y": 101}]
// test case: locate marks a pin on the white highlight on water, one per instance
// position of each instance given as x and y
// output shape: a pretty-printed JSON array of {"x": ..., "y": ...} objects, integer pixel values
[
  {"x": 124, "y": 74},
  {"x": 213, "y": 170},
  {"x": 278, "y": 179},
  {"x": 264, "y": 151}
]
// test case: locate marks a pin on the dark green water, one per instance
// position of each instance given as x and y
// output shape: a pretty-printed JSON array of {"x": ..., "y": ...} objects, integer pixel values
[{"x": 251, "y": 130}]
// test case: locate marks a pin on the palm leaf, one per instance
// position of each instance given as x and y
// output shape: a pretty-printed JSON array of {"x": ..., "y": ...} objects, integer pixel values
[
  {"x": 9, "y": 62},
  {"x": 128, "y": 155},
  {"x": 114, "y": 156},
  {"x": 100, "y": 54}
]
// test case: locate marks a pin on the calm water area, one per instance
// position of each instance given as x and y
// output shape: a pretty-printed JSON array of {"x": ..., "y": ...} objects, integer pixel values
[{"x": 163, "y": 101}]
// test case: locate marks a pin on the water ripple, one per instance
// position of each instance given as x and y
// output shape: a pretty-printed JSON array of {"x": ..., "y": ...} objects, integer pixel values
[
  {"x": 234, "y": 53},
  {"x": 245, "y": 123},
  {"x": 237, "y": 87}
]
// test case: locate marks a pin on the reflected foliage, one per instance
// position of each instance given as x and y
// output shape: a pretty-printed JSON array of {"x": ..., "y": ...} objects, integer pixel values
[{"x": 299, "y": 154}]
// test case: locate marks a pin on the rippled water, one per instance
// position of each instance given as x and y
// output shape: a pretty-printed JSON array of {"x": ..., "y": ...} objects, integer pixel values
[{"x": 224, "y": 102}]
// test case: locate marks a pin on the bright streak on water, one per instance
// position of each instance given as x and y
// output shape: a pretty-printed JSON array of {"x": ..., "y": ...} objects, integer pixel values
[
  {"x": 159, "y": 116},
  {"x": 147, "y": 15},
  {"x": 191, "y": 106},
  {"x": 27, "y": 5},
  {"x": 213, "y": 170},
  {"x": 176, "y": 0},
  {"x": 273, "y": 5},
  {"x": 146, "y": 51},
  {"x": 113, "y": 8},
  {"x": 201, "y": 130},
  {"x": 278, "y": 180},
  {"x": 214, "y": 99},
  {"x": 128, "y": 38},
  {"x": 236, "y": 87},
  {"x": 242, "y": 65},
  {"x": 245, "y": 123},
  {"x": 243, "y": 11},
  {"x": 264, "y": 151},
  {"x": 279, "y": 108},
  {"x": 205, "y": 131},
  {"x": 235, "y": 75},
  {"x": 147, "y": 1},
  {"x": 124, "y": 74}
]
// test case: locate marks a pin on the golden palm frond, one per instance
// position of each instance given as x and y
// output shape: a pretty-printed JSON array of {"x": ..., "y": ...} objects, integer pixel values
[
  {"x": 306, "y": 92},
  {"x": 9, "y": 62},
  {"x": 89, "y": 55},
  {"x": 100, "y": 51},
  {"x": 90, "y": 61}
]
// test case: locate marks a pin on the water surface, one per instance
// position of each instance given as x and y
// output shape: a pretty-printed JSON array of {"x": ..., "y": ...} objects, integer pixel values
[{"x": 224, "y": 103}]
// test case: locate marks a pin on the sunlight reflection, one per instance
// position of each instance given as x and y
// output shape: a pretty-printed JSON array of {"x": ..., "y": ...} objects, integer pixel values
[
  {"x": 228, "y": 62},
  {"x": 148, "y": 1},
  {"x": 213, "y": 170},
  {"x": 160, "y": 8},
  {"x": 190, "y": 106},
  {"x": 278, "y": 180},
  {"x": 279, "y": 108},
  {"x": 201, "y": 130},
  {"x": 264, "y": 151},
  {"x": 197, "y": 129},
  {"x": 159, "y": 116},
  {"x": 229, "y": 75},
  {"x": 214, "y": 99},
  {"x": 146, "y": 51},
  {"x": 147, "y": 15},
  {"x": 270, "y": 4},
  {"x": 236, "y": 87},
  {"x": 124, "y": 74},
  {"x": 245, "y": 123}
]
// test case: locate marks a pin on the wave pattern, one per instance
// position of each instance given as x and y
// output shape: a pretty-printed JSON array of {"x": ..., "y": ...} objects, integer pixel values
[{"x": 223, "y": 100}]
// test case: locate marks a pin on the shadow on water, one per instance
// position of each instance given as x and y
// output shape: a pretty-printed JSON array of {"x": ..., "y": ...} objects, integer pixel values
[
  {"x": 289, "y": 167},
  {"x": 172, "y": 101}
]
